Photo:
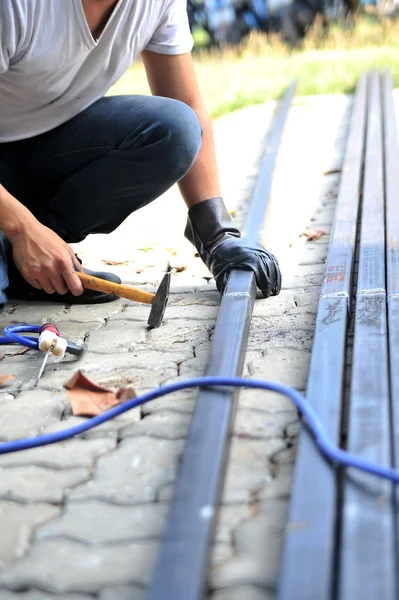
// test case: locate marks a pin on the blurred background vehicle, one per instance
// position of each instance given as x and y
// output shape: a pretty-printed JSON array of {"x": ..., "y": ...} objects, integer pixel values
[{"x": 229, "y": 21}]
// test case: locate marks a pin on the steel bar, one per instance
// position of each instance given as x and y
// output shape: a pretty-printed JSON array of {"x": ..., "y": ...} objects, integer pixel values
[
  {"x": 392, "y": 260},
  {"x": 367, "y": 548},
  {"x": 181, "y": 569},
  {"x": 256, "y": 214},
  {"x": 307, "y": 570}
]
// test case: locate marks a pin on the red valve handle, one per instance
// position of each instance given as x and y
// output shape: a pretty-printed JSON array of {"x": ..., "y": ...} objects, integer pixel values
[{"x": 50, "y": 327}]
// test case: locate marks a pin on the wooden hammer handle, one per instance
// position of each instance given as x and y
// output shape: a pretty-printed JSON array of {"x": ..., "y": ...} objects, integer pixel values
[{"x": 124, "y": 291}]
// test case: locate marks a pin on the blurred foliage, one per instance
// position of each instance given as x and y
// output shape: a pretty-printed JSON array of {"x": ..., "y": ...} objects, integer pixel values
[{"x": 261, "y": 67}]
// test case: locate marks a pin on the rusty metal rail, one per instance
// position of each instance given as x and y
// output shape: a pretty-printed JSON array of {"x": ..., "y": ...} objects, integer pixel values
[{"x": 342, "y": 537}]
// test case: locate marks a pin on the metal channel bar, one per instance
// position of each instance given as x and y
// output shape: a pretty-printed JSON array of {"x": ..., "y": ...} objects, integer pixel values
[
  {"x": 367, "y": 549},
  {"x": 392, "y": 258},
  {"x": 181, "y": 569},
  {"x": 307, "y": 570}
]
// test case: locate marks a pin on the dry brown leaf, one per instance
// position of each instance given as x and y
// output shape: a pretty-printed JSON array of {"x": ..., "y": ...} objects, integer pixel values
[
  {"x": 115, "y": 262},
  {"x": 312, "y": 234},
  {"x": 89, "y": 399},
  {"x": 5, "y": 380},
  {"x": 179, "y": 269},
  {"x": 125, "y": 394},
  {"x": 16, "y": 353}
]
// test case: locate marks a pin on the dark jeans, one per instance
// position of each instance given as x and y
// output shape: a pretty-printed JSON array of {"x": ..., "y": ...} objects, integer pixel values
[{"x": 89, "y": 174}]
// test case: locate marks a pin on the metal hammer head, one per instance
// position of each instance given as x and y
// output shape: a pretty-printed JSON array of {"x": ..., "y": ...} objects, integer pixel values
[{"x": 159, "y": 303}]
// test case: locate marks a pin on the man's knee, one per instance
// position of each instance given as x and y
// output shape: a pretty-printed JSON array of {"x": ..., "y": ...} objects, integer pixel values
[{"x": 182, "y": 137}]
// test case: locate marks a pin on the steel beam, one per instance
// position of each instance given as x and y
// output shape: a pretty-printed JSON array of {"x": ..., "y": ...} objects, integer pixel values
[
  {"x": 367, "y": 548},
  {"x": 181, "y": 569},
  {"x": 308, "y": 569}
]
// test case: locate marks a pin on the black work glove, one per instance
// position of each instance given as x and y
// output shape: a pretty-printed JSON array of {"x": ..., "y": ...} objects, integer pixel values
[{"x": 220, "y": 245}]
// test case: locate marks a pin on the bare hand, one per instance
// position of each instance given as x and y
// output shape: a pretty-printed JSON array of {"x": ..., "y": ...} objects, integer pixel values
[{"x": 45, "y": 260}]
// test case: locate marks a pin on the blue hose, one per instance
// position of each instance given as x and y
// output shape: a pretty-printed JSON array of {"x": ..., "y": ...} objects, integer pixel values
[{"x": 334, "y": 454}]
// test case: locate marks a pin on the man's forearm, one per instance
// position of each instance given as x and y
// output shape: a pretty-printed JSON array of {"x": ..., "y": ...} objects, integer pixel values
[
  {"x": 14, "y": 216},
  {"x": 202, "y": 181}
]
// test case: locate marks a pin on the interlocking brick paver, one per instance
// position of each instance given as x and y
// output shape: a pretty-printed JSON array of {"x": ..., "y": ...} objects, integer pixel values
[
  {"x": 110, "y": 487},
  {"x": 165, "y": 425},
  {"x": 38, "y": 484},
  {"x": 132, "y": 473},
  {"x": 243, "y": 592},
  {"x": 81, "y": 522},
  {"x": 254, "y": 424},
  {"x": 64, "y": 455},
  {"x": 122, "y": 592},
  {"x": 17, "y": 522},
  {"x": 289, "y": 366},
  {"x": 65, "y": 566},
  {"x": 40, "y": 595},
  {"x": 28, "y": 413}
]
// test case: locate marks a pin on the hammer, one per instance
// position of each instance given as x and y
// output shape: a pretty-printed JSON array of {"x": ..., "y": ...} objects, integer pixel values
[{"x": 158, "y": 300}]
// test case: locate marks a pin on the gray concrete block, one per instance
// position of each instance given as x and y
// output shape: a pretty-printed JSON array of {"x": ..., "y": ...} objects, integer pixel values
[
  {"x": 221, "y": 552},
  {"x": 31, "y": 312},
  {"x": 196, "y": 310},
  {"x": 243, "y": 592},
  {"x": 289, "y": 366},
  {"x": 275, "y": 305},
  {"x": 106, "y": 430},
  {"x": 94, "y": 312},
  {"x": 253, "y": 424},
  {"x": 166, "y": 425},
  {"x": 293, "y": 429},
  {"x": 29, "y": 413},
  {"x": 284, "y": 456},
  {"x": 40, "y": 595},
  {"x": 179, "y": 402},
  {"x": 228, "y": 518},
  {"x": 36, "y": 484},
  {"x": 61, "y": 566},
  {"x": 279, "y": 486},
  {"x": 308, "y": 300},
  {"x": 118, "y": 336},
  {"x": 76, "y": 331},
  {"x": 204, "y": 297},
  {"x": 194, "y": 367},
  {"x": 307, "y": 275},
  {"x": 174, "y": 333},
  {"x": 257, "y": 556},
  {"x": 133, "y": 473},
  {"x": 285, "y": 331},
  {"x": 247, "y": 469},
  {"x": 98, "y": 523},
  {"x": 250, "y": 569},
  {"x": 312, "y": 255},
  {"x": 63, "y": 455},
  {"x": 17, "y": 522},
  {"x": 122, "y": 592},
  {"x": 267, "y": 402}
]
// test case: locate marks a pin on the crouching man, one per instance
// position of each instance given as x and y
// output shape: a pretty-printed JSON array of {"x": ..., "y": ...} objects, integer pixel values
[{"x": 73, "y": 162}]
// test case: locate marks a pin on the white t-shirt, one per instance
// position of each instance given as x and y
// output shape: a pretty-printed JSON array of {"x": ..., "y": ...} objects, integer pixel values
[{"x": 51, "y": 68}]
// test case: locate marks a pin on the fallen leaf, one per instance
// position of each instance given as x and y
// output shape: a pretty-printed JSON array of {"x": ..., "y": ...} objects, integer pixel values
[
  {"x": 178, "y": 269},
  {"x": 125, "y": 394},
  {"x": 89, "y": 399},
  {"x": 5, "y": 379},
  {"x": 16, "y": 353},
  {"x": 115, "y": 262},
  {"x": 312, "y": 234}
]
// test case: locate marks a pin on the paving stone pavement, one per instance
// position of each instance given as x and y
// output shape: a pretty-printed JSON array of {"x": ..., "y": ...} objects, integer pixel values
[{"x": 82, "y": 519}]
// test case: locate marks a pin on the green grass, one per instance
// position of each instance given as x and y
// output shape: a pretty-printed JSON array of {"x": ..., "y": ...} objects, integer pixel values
[{"x": 261, "y": 69}]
